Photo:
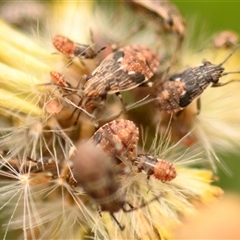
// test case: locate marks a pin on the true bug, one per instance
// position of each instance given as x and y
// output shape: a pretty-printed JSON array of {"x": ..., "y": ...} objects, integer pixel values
[
  {"x": 59, "y": 79},
  {"x": 118, "y": 138},
  {"x": 181, "y": 89},
  {"x": 166, "y": 16},
  {"x": 160, "y": 169},
  {"x": 94, "y": 171},
  {"x": 165, "y": 13},
  {"x": 225, "y": 39},
  {"x": 72, "y": 49},
  {"x": 122, "y": 70},
  {"x": 65, "y": 88}
]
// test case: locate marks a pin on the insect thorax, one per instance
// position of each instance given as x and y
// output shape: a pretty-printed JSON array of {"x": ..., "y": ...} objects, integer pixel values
[
  {"x": 113, "y": 202},
  {"x": 84, "y": 51},
  {"x": 146, "y": 163}
]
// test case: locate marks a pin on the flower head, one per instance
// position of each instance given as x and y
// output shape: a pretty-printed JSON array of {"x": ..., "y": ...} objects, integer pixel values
[{"x": 49, "y": 185}]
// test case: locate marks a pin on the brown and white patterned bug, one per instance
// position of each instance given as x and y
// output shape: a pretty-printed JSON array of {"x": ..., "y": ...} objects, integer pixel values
[
  {"x": 181, "y": 89},
  {"x": 225, "y": 39},
  {"x": 118, "y": 138},
  {"x": 72, "y": 49},
  {"x": 160, "y": 169},
  {"x": 164, "y": 13},
  {"x": 122, "y": 70}
]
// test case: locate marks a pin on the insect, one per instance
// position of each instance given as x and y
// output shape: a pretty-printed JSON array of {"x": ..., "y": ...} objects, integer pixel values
[
  {"x": 64, "y": 87},
  {"x": 72, "y": 49},
  {"x": 225, "y": 39},
  {"x": 94, "y": 170},
  {"x": 166, "y": 16},
  {"x": 164, "y": 13},
  {"x": 160, "y": 169},
  {"x": 59, "y": 79},
  {"x": 122, "y": 70},
  {"x": 181, "y": 89},
  {"x": 118, "y": 138}
]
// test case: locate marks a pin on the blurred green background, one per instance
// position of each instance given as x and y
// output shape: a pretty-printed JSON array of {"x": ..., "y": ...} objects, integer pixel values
[{"x": 214, "y": 16}]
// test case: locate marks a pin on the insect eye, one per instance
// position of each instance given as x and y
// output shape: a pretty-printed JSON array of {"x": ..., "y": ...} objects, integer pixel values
[
  {"x": 170, "y": 22},
  {"x": 206, "y": 63},
  {"x": 175, "y": 77}
]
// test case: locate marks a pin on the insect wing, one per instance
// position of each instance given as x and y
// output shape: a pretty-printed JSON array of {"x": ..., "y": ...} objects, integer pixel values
[
  {"x": 118, "y": 138},
  {"x": 123, "y": 70}
]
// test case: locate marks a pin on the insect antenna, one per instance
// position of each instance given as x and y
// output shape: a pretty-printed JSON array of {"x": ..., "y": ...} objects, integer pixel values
[
  {"x": 101, "y": 49},
  {"x": 228, "y": 56},
  {"x": 227, "y": 73},
  {"x": 93, "y": 42}
]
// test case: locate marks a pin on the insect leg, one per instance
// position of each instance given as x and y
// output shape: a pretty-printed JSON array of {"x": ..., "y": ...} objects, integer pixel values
[
  {"x": 115, "y": 46},
  {"x": 142, "y": 205},
  {"x": 119, "y": 95},
  {"x": 198, "y": 106},
  {"x": 118, "y": 223}
]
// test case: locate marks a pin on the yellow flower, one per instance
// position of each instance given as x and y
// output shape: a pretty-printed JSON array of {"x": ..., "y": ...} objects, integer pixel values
[{"x": 39, "y": 196}]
